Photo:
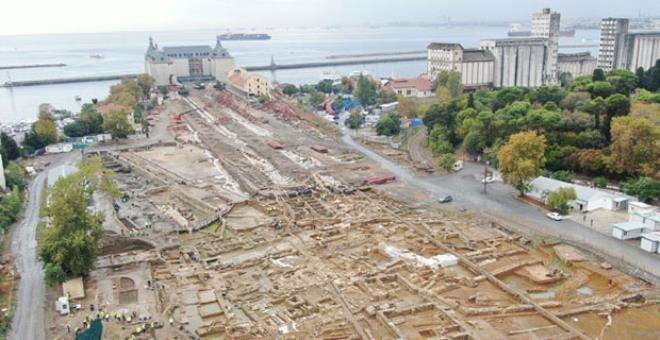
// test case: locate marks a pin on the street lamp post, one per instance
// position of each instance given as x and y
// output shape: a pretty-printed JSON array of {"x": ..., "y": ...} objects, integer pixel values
[{"x": 486, "y": 176}]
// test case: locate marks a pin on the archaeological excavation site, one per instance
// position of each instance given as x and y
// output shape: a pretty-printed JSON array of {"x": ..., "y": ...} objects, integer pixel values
[{"x": 255, "y": 221}]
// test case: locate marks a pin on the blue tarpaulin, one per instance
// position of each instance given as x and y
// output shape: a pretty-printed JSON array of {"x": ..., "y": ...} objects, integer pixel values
[
  {"x": 416, "y": 122},
  {"x": 94, "y": 332}
]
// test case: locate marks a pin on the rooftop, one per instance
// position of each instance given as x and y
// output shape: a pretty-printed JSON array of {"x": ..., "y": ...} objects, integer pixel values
[
  {"x": 475, "y": 54},
  {"x": 583, "y": 193},
  {"x": 444, "y": 46},
  {"x": 580, "y": 56},
  {"x": 421, "y": 84},
  {"x": 628, "y": 226},
  {"x": 654, "y": 236}
]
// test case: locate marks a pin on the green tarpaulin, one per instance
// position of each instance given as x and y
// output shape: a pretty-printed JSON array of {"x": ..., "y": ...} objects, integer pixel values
[{"x": 93, "y": 332}]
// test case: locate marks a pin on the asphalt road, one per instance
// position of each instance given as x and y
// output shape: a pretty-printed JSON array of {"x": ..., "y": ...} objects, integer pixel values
[
  {"x": 29, "y": 320},
  {"x": 500, "y": 204}
]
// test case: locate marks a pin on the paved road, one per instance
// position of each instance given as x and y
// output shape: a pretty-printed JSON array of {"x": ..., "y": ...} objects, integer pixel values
[
  {"x": 29, "y": 321},
  {"x": 501, "y": 204}
]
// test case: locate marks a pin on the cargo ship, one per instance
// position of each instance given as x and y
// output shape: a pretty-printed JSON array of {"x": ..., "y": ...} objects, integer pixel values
[{"x": 244, "y": 36}]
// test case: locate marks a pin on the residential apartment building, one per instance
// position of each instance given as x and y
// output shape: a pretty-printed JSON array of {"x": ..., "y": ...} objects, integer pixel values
[
  {"x": 248, "y": 84},
  {"x": 171, "y": 65},
  {"x": 546, "y": 24},
  {"x": 518, "y": 61},
  {"x": 476, "y": 65},
  {"x": 612, "y": 35}
]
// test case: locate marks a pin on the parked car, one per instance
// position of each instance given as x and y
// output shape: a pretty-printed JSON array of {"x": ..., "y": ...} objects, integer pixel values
[
  {"x": 488, "y": 180},
  {"x": 445, "y": 199},
  {"x": 554, "y": 216}
]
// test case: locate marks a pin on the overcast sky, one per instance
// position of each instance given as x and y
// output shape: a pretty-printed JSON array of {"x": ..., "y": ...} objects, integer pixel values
[{"x": 58, "y": 16}]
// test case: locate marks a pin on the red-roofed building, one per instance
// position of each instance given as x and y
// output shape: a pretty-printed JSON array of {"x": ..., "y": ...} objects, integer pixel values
[{"x": 410, "y": 87}]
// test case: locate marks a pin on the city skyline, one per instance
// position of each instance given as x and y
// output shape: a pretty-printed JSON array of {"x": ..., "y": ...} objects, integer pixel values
[{"x": 76, "y": 16}]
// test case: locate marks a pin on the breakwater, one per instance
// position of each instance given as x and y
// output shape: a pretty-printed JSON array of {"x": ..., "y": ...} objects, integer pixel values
[{"x": 15, "y": 67}]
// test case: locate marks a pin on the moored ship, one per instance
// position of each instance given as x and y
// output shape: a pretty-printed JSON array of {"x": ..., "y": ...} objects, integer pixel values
[{"x": 244, "y": 36}]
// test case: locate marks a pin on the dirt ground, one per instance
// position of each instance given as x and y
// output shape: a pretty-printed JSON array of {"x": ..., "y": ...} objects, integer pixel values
[{"x": 249, "y": 241}]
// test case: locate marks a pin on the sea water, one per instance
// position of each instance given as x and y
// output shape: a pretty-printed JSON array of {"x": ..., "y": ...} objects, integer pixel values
[{"x": 123, "y": 53}]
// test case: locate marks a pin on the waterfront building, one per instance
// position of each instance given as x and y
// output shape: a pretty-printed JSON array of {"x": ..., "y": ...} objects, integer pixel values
[
  {"x": 546, "y": 24},
  {"x": 612, "y": 35},
  {"x": 410, "y": 87},
  {"x": 171, "y": 65},
  {"x": 577, "y": 64},
  {"x": 476, "y": 65},
  {"x": 640, "y": 50},
  {"x": 248, "y": 84},
  {"x": 3, "y": 184},
  {"x": 518, "y": 61},
  {"x": 624, "y": 50}
]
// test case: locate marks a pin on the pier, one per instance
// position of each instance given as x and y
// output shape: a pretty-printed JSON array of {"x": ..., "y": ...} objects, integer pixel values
[
  {"x": 272, "y": 67},
  {"x": 67, "y": 80},
  {"x": 15, "y": 67}
]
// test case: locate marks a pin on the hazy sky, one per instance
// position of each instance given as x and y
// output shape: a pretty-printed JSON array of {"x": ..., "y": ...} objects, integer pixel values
[{"x": 57, "y": 16}]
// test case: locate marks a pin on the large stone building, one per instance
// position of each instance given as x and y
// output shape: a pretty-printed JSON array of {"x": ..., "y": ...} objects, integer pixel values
[
  {"x": 576, "y": 64},
  {"x": 476, "y": 65},
  {"x": 518, "y": 61},
  {"x": 612, "y": 35},
  {"x": 640, "y": 50},
  {"x": 546, "y": 25},
  {"x": 170, "y": 65}
]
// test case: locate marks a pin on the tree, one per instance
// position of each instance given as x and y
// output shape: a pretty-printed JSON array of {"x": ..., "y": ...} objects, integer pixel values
[
  {"x": 408, "y": 107},
  {"x": 447, "y": 161},
  {"x": 645, "y": 188},
  {"x": 642, "y": 81},
  {"x": 15, "y": 176},
  {"x": 366, "y": 91},
  {"x": 635, "y": 146},
  {"x": 75, "y": 129},
  {"x": 600, "y": 182},
  {"x": 73, "y": 239},
  {"x": 522, "y": 159},
  {"x": 354, "y": 121},
  {"x": 218, "y": 85},
  {"x": 145, "y": 82},
  {"x": 10, "y": 147},
  {"x": 546, "y": 94},
  {"x": 42, "y": 133},
  {"x": 290, "y": 89},
  {"x": 316, "y": 98},
  {"x": 617, "y": 105},
  {"x": 600, "y": 89},
  {"x": 623, "y": 81},
  {"x": 474, "y": 143},
  {"x": 598, "y": 75},
  {"x": 454, "y": 84},
  {"x": 389, "y": 125},
  {"x": 324, "y": 86},
  {"x": 558, "y": 200},
  {"x": 116, "y": 123},
  {"x": 10, "y": 208},
  {"x": 542, "y": 119}
]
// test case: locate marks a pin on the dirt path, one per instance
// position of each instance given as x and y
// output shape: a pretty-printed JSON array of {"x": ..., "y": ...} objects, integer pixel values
[{"x": 29, "y": 318}]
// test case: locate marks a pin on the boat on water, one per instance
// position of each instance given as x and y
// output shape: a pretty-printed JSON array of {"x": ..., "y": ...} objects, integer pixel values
[
  {"x": 244, "y": 36},
  {"x": 97, "y": 55},
  {"x": 78, "y": 98}
]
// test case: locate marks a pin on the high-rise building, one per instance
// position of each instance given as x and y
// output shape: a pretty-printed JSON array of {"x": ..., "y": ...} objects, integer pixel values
[
  {"x": 613, "y": 32},
  {"x": 3, "y": 184},
  {"x": 546, "y": 24}
]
